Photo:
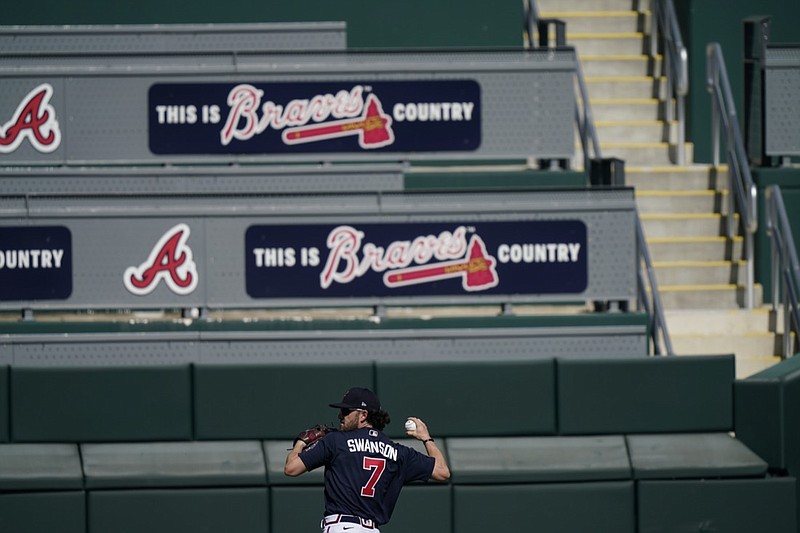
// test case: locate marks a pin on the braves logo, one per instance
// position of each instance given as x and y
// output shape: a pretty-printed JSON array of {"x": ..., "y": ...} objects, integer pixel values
[
  {"x": 364, "y": 119},
  {"x": 456, "y": 259},
  {"x": 170, "y": 260},
  {"x": 35, "y": 120}
]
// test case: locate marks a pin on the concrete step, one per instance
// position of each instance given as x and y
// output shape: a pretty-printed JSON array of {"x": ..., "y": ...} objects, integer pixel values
[
  {"x": 671, "y": 273},
  {"x": 724, "y": 296},
  {"x": 626, "y": 109},
  {"x": 754, "y": 336},
  {"x": 673, "y": 177},
  {"x": 620, "y": 65},
  {"x": 597, "y": 44},
  {"x": 640, "y": 87},
  {"x": 642, "y": 153},
  {"x": 681, "y": 201},
  {"x": 726, "y": 322},
  {"x": 601, "y": 21},
  {"x": 636, "y": 131},
  {"x": 755, "y": 344},
  {"x": 550, "y": 6},
  {"x": 695, "y": 248},
  {"x": 747, "y": 366},
  {"x": 684, "y": 224}
]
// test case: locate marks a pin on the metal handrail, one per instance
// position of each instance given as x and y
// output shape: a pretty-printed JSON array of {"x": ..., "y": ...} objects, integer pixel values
[
  {"x": 741, "y": 189},
  {"x": 583, "y": 111},
  {"x": 785, "y": 266},
  {"x": 658, "y": 322},
  {"x": 675, "y": 67}
]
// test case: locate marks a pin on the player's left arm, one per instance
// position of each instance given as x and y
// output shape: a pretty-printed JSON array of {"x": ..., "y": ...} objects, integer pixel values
[{"x": 294, "y": 465}]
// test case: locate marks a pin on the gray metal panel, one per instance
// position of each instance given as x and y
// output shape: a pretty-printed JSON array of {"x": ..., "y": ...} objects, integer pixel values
[
  {"x": 112, "y": 234},
  {"x": 527, "y": 98},
  {"x": 140, "y": 38},
  {"x": 311, "y": 347},
  {"x": 782, "y": 105},
  {"x": 103, "y": 351},
  {"x": 251, "y": 179}
]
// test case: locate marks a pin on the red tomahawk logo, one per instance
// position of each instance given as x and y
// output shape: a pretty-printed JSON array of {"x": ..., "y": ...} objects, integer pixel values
[
  {"x": 373, "y": 128},
  {"x": 477, "y": 272}
]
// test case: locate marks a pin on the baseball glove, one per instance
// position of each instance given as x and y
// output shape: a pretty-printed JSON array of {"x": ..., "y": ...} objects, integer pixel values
[{"x": 313, "y": 433}]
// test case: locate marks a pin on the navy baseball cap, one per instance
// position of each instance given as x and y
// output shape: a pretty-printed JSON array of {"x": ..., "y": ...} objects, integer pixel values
[{"x": 359, "y": 398}]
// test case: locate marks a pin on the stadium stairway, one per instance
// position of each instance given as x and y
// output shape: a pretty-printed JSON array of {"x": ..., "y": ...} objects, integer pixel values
[{"x": 699, "y": 270}]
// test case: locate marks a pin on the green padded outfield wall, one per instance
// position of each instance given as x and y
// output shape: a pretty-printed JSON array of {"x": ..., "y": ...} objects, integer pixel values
[
  {"x": 379, "y": 23},
  {"x": 706, "y": 21}
]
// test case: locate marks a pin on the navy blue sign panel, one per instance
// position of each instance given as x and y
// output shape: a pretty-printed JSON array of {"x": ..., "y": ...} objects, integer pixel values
[
  {"x": 441, "y": 259},
  {"x": 314, "y": 117},
  {"x": 35, "y": 263}
]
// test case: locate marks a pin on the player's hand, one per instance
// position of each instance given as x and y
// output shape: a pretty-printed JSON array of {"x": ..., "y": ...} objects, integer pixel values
[{"x": 421, "y": 432}]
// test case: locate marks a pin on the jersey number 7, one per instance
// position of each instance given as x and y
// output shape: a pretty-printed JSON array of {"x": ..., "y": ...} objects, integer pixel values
[{"x": 377, "y": 465}]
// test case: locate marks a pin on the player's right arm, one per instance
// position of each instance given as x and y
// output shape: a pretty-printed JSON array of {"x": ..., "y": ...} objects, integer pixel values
[{"x": 441, "y": 472}]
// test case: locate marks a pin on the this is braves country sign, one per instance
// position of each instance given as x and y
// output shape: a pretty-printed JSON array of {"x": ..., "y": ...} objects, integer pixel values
[
  {"x": 384, "y": 259},
  {"x": 285, "y": 118}
]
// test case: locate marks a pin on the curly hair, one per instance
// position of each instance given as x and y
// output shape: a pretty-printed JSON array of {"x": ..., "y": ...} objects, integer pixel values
[{"x": 378, "y": 419}]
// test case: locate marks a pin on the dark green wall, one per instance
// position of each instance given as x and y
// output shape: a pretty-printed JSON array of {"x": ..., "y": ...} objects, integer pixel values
[
  {"x": 376, "y": 23},
  {"x": 706, "y": 21}
]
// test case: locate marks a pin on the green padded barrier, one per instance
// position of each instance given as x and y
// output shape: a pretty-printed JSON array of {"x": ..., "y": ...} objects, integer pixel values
[
  {"x": 424, "y": 508},
  {"x": 730, "y": 505},
  {"x": 767, "y": 408},
  {"x": 648, "y": 395},
  {"x": 4, "y": 403},
  {"x": 40, "y": 467},
  {"x": 758, "y": 420},
  {"x": 296, "y": 509},
  {"x": 243, "y": 510},
  {"x": 270, "y": 401},
  {"x": 692, "y": 455},
  {"x": 538, "y": 459},
  {"x": 90, "y": 404},
  {"x": 43, "y": 512},
  {"x": 792, "y": 423},
  {"x": 470, "y": 399},
  {"x": 602, "y": 507},
  {"x": 174, "y": 464}
]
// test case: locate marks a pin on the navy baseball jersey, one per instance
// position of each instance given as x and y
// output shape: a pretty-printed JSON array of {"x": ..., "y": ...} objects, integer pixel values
[{"x": 365, "y": 471}]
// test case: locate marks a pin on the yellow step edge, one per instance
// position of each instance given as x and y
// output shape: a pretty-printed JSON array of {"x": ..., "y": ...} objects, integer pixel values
[
  {"x": 680, "y": 192},
  {"x": 623, "y": 101},
  {"x": 660, "y": 144},
  {"x": 619, "y": 57},
  {"x": 688, "y": 288},
  {"x": 589, "y": 14},
  {"x": 691, "y": 240},
  {"x": 696, "y": 264},
  {"x": 622, "y": 79},
  {"x": 605, "y": 35},
  {"x": 612, "y": 123},
  {"x": 677, "y": 168},
  {"x": 680, "y": 216}
]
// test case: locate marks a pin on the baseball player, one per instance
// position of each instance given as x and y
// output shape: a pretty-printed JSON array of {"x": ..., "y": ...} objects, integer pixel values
[{"x": 364, "y": 470}]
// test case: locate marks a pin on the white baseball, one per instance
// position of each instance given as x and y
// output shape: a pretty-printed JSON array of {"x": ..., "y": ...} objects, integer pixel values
[{"x": 411, "y": 425}]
